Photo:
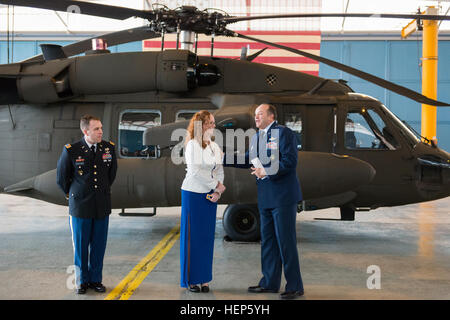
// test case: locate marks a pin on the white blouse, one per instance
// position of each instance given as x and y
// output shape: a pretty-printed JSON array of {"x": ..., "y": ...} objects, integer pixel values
[{"x": 204, "y": 167}]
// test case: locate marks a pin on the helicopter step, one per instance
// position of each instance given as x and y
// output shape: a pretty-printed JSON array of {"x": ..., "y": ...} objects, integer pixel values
[
  {"x": 340, "y": 200},
  {"x": 137, "y": 214},
  {"x": 347, "y": 214}
]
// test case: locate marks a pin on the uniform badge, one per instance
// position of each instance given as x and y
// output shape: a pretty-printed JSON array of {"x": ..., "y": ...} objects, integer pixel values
[
  {"x": 79, "y": 161},
  {"x": 68, "y": 146},
  {"x": 80, "y": 172},
  {"x": 272, "y": 145}
]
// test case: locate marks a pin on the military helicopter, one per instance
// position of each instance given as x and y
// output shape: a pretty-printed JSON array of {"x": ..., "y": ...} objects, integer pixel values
[{"x": 354, "y": 153}]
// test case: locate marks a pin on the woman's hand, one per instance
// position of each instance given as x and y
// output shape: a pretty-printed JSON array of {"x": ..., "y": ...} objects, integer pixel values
[
  {"x": 220, "y": 188},
  {"x": 214, "y": 197}
]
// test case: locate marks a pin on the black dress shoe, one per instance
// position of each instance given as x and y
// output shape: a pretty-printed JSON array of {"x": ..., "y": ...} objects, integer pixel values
[
  {"x": 205, "y": 288},
  {"x": 259, "y": 289},
  {"x": 97, "y": 286},
  {"x": 82, "y": 288},
  {"x": 194, "y": 288},
  {"x": 289, "y": 295}
]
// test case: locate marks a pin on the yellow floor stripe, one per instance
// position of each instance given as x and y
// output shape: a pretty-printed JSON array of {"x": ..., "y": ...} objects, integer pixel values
[{"x": 130, "y": 283}]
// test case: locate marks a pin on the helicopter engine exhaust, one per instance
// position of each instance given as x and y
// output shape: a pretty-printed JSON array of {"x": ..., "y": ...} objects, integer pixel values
[{"x": 95, "y": 74}]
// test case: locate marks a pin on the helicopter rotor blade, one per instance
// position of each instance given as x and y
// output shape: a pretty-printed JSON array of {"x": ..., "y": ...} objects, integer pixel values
[
  {"x": 338, "y": 15},
  {"x": 112, "y": 39},
  {"x": 355, "y": 72},
  {"x": 94, "y": 9}
]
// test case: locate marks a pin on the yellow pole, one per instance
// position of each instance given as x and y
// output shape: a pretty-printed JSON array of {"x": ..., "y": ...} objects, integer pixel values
[{"x": 429, "y": 74}]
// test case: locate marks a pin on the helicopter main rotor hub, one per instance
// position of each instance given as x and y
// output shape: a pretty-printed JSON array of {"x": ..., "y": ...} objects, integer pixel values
[{"x": 188, "y": 18}]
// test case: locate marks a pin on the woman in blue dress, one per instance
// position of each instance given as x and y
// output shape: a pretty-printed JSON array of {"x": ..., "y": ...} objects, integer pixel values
[{"x": 200, "y": 191}]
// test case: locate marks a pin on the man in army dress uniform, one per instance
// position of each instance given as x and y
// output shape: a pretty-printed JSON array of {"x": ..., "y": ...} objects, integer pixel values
[{"x": 86, "y": 170}]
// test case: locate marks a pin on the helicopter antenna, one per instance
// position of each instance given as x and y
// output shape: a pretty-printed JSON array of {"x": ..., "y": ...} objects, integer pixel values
[
  {"x": 163, "y": 33},
  {"x": 178, "y": 35},
  {"x": 196, "y": 43},
  {"x": 243, "y": 53},
  {"x": 11, "y": 117},
  {"x": 212, "y": 44}
]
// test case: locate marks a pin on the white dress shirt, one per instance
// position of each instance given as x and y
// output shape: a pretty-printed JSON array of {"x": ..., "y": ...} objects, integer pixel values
[
  {"x": 204, "y": 167},
  {"x": 266, "y": 129},
  {"x": 90, "y": 145}
]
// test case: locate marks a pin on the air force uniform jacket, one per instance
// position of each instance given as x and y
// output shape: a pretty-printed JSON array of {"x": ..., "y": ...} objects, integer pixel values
[
  {"x": 87, "y": 179},
  {"x": 277, "y": 151}
]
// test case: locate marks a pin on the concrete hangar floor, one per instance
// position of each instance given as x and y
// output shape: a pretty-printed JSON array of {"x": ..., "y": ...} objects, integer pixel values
[{"x": 388, "y": 253}]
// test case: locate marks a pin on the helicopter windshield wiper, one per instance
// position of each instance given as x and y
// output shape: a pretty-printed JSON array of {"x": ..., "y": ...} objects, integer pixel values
[{"x": 418, "y": 135}]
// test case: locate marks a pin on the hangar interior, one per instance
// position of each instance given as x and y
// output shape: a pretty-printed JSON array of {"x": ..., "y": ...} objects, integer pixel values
[{"x": 408, "y": 244}]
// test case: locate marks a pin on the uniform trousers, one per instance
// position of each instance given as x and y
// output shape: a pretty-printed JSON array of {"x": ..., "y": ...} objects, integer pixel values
[
  {"x": 89, "y": 244},
  {"x": 279, "y": 248}
]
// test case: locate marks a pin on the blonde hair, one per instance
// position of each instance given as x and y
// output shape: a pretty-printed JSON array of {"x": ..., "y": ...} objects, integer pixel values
[{"x": 203, "y": 116}]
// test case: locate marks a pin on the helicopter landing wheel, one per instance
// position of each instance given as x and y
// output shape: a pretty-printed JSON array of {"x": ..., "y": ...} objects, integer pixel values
[
  {"x": 241, "y": 222},
  {"x": 347, "y": 213}
]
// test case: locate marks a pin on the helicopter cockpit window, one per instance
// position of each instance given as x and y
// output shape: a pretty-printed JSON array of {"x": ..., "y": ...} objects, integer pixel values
[
  {"x": 132, "y": 126},
  {"x": 364, "y": 129},
  {"x": 294, "y": 122}
]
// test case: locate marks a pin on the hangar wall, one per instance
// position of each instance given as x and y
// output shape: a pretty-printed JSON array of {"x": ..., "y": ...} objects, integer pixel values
[
  {"x": 382, "y": 55},
  {"x": 395, "y": 60}
]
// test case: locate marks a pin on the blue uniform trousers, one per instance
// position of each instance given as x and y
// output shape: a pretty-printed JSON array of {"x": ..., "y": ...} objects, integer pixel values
[
  {"x": 279, "y": 248},
  {"x": 89, "y": 243}
]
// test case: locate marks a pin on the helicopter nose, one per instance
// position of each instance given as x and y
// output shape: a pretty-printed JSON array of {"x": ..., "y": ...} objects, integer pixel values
[
  {"x": 325, "y": 174},
  {"x": 433, "y": 180}
]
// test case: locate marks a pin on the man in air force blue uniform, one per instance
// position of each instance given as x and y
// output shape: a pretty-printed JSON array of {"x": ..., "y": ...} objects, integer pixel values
[
  {"x": 85, "y": 172},
  {"x": 278, "y": 195}
]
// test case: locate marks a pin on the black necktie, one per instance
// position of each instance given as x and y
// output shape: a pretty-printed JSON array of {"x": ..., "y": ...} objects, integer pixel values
[{"x": 93, "y": 149}]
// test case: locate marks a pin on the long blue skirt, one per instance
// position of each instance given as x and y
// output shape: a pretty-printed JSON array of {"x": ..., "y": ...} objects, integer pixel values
[{"x": 198, "y": 224}]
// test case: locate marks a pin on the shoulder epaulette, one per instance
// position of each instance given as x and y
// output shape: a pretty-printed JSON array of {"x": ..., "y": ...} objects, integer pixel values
[
  {"x": 112, "y": 143},
  {"x": 68, "y": 146}
]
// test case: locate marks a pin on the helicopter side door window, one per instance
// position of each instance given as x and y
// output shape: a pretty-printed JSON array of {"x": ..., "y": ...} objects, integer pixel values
[
  {"x": 132, "y": 126},
  {"x": 364, "y": 129},
  {"x": 294, "y": 122},
  {"x": 183, "y": 115}
]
